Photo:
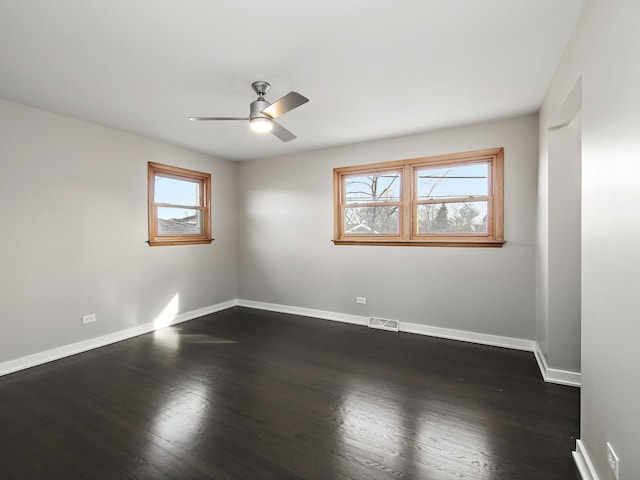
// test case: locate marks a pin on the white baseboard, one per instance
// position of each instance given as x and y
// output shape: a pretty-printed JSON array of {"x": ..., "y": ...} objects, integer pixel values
[
  {"x": 465, "y": 336},
  {"x": 306, "y": 312},
  {"x": 584, "y": 463},
  {"x": 553, "y": 375},
  {"x": 484, "y": 339},
  {"x": 550, "y": 375},
  {"x": 79, "y": 347}
]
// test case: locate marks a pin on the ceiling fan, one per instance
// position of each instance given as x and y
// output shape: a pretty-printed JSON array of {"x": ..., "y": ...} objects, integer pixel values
[{"x": 262, "y": 113}]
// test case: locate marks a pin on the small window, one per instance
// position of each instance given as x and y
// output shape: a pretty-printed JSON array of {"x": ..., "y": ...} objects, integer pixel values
[
  {"x": 179, "y": 206},
  {"x": 449, "y": 200}
]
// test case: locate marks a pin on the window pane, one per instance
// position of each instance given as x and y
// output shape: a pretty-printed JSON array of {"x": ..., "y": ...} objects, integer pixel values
[
  {"x": 179, "y": 221},
  {"x": 443, "y": 218},
  {"x": 383, "y": 220},
  {"x": 373, "y": 188},
  {"x": 176, "y": 192},
  {"x": 453, "y": 182}
]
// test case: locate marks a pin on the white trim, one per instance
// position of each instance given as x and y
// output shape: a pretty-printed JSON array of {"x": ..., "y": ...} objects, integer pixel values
[
  {"x": 466, "y": 336},
  {"x": 484, "y": 339},
  {"x": 583, "y": 462},
  {"x": 306, "y": 312},
  {"x": 554, "y": 375},
  {"x": 85, "y": 345},
  {"x": 562, "y": 377}
]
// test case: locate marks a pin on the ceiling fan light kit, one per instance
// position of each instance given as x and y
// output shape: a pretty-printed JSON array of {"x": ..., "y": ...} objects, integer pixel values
[
  {"x": 262, "y": 113},
  {"x": 260, "y": 125}
]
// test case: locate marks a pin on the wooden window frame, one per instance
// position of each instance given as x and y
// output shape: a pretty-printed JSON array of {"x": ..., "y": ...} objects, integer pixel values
[
  {"x": 204, "y": 180},
  {"x": 408, "y": 234}
]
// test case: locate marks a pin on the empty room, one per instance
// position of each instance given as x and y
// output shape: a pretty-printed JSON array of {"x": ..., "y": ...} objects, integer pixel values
[{"x": 335, "y": 240}]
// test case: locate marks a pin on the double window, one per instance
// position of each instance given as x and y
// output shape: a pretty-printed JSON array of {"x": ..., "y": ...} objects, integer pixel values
[
  {"x": 179, "y": 206},
  {"x": 448, "y": 200}
]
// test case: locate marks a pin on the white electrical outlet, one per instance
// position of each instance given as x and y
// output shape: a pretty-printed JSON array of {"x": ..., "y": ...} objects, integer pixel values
[
  {"x": 613, "y": 461},
  {"x": 361, "y": 300},
  {"x": 89, "y": 318}
]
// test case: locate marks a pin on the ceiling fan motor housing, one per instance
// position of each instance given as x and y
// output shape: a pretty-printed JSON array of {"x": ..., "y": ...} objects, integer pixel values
[
  {"x": 256, "y": 109},
  {"x": 260, "y": 87}
]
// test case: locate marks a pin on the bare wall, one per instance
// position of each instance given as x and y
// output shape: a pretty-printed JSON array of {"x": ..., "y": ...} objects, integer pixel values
[
  {"x": 286, "y": 255},
  {"x": 73, "y": 204},
  {"x": 604, "y": 54}
]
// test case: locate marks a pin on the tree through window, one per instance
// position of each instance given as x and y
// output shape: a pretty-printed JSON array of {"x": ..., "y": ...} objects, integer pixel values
[
  {"x": 447, "y": 200},
  {"x": 372, "y": 204}
]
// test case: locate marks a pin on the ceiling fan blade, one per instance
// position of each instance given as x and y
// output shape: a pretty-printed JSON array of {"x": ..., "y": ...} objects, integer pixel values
[
  {"x": 282, "y": 133},
  {"x": 290, "y": 101},
  {"x": 205, "y": 119}
]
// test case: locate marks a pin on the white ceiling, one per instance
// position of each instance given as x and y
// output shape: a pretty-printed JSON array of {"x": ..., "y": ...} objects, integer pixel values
[{"x": 371, "y": 68}]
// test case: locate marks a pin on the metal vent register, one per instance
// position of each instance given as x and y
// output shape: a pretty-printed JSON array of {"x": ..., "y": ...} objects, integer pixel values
[{"x": 384, "y": 324}]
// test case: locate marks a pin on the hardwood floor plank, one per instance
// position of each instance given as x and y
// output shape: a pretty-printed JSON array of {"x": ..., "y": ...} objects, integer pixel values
[{"x": 248, "y": 394}]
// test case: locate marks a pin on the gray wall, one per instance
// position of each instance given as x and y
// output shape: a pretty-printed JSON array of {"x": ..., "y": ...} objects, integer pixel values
[
  {"x": 286, "y": 255},
  {"x": 604, "y": 52},
  {"x": 73, "y": 204},
  {"x": 564, "y": 247},
  {"x": 558, "y": 246}
]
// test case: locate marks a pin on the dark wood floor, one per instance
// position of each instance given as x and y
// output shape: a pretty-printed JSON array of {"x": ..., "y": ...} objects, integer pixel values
[{"x": 245, "y": 394}]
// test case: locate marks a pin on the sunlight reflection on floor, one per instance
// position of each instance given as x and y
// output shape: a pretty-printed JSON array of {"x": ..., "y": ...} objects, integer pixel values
[
  {"x": 184, "y": 413},
  {"x": 408, "y": 437}
]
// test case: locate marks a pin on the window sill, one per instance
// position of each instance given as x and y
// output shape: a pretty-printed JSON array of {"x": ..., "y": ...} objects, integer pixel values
[
  {"x": 199, "y": 241},
  {"x": 479, "y": 243}
]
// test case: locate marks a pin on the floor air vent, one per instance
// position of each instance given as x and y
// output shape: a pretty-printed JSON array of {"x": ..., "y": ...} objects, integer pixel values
[{"x": 383, "y": 324}]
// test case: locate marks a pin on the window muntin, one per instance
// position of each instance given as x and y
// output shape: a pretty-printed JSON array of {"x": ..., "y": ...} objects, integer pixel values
[
  {"x": 179, "y": 206},
  {"x": 452, "y": 199}
]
